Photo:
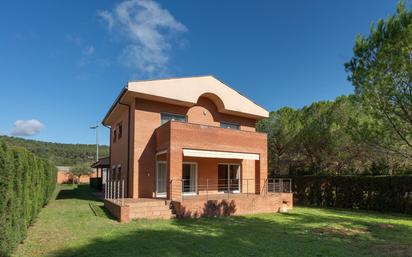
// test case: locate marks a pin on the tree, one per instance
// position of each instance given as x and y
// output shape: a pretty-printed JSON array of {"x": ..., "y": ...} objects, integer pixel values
[
  {"x": 315, "y": 137},
  {"x": 330, "y": 137},
  {"x": 57, "y": 153},
  {"x": 282, "y": 127},
  {"x": 381, "y": 72},
  {"x": 79, "y": 170}
]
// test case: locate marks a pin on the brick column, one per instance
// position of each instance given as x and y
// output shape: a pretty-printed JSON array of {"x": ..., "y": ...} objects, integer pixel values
[
  {"x": 262, "y": 169},
  {"x": 174, "y": 163}
]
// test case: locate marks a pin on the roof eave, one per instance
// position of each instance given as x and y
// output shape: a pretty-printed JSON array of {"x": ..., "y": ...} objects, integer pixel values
[{"x": 119, "y": 97}]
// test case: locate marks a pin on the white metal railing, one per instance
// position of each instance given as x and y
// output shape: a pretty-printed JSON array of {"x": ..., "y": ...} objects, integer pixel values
[
  {"x": 181, "y": 188},
  {"x": 279, "y": 185},
  {"x": 114, "y": 190}
]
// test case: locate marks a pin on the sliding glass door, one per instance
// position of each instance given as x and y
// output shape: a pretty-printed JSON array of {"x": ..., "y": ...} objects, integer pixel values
[
  {"x": 229, "y": 178},
  {"x": 161, "y": 179},
  {"x": 189, "y": 178}
]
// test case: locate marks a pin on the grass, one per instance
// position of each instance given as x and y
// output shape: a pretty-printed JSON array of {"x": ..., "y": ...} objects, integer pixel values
[{"x": 75, "y": 224}]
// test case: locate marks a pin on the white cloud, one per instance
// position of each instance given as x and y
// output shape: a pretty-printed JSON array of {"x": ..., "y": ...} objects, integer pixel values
[
  {"x": 107, "y": 17},
  {"x": 25, "y": 128},
  {"x": 149, "y": 30}
]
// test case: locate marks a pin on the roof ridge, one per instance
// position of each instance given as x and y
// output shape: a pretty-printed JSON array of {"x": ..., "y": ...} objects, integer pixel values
[{"x": 170, "y": 78}]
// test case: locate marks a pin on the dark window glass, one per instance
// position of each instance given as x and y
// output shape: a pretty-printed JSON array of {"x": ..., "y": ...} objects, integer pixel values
[
  {"x": 229, "y": 177},
  {"x": 119, "y": 172},
  {"x": 120, "y": 130},
  {"x": 222, "y": 177},
  {"x": 113, "y": 175},
  {"x": 189, "y": 178},
  {"x": 165, "y": 117},
  {"x": 229, "y": 125}
]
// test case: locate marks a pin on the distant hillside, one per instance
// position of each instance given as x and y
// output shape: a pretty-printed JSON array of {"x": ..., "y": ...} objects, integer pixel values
[{"x": 59, "y": 154}]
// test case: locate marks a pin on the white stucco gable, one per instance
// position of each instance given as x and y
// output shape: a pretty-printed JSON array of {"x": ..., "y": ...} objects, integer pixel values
[{"x": 186, "y": 91}]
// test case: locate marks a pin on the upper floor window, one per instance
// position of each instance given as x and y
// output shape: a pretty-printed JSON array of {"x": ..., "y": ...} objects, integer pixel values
[
  {"x": 113, "y": 174},
  {"x": 120, "y": 128},
  {"x": 114, "y": 135},
  {"x": 119, "y": 172},
  {"x": 229, "y": 125},
  {"x": 165, "y": 117}
]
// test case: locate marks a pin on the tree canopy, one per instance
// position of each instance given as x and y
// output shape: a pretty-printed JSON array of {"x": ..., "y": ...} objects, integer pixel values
[
  {"x": 57, "y": 153},
  {"x": 327, "y": 137},
  {"x": 369, "y": 132},
  {"x": 81, "y": 169},
  {"x": 381, "y": 72}
]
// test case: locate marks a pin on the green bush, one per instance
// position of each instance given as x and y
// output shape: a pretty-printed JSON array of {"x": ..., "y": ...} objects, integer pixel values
[
  {"x": 380, "y": 193},
  {"x": 26, "y": 185}
]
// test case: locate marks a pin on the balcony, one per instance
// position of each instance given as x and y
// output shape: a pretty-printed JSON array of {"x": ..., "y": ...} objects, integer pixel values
[{"x": 196, "y": 136}]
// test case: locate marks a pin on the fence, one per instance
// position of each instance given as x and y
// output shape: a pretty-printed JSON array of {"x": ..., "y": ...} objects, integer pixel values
[
  {"x": 227, "y": 188},
  {"x": 114, "y": 190}
]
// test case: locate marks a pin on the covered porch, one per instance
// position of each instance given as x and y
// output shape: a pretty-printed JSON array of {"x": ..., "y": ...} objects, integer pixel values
[
  {"x": 102, "y": 168},
  {"x": 205, "y": 174}
]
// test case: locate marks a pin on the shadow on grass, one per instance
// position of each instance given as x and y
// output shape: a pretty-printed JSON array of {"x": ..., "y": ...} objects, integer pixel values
[
  {"x": 81, "y": 192},
  {"x": 211, "y": 208},
  {"x": 266, "y": 235},
  {"x": 101, "y": 211}
]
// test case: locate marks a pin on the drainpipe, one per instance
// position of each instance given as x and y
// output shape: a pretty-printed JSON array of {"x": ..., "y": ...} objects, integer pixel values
[
  {"x": 110, "y": 158},
  {"x": 128, "y": 147}
]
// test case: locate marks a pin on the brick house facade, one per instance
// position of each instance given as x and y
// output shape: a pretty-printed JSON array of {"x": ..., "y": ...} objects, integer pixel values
[{"x": 187, "y": 141}]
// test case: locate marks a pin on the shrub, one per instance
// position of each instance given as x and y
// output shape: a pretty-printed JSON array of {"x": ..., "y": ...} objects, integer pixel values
[
  {"x": 380, "y": 193},
  {"x": 26, "y": 185}
]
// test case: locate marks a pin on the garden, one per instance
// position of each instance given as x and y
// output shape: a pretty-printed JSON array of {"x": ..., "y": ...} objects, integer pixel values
[{"x": 74, "y": 223}]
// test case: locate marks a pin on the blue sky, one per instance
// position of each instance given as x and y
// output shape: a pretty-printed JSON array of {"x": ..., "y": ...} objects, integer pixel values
[{"x": 62, "y": 63}]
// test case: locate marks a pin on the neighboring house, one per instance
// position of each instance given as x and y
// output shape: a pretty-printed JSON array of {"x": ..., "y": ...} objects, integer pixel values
[
  {"x": 64, "y": 176},
  {"x": 101, "y": 167},
  {"x": 192, "y": 142}
]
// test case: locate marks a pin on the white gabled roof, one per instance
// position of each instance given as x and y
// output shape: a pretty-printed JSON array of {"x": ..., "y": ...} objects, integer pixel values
[{"x": 186, "y": 92}]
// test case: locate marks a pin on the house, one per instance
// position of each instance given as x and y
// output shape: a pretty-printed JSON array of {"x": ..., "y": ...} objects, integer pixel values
[
  {"x": 188, "y": 147},
  {"x": 64, "y": 176},
  {"x": 101, "y": 167}
]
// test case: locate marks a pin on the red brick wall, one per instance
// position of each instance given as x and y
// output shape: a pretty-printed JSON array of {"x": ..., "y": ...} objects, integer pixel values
[
  {"x": 65, "y": 177},
  {"x": 118, "y": 155},
  {"x": 183, "y": 135},
  {"x": 122, "y": 213},
  {"x": 145, "y": 116},
  {"x": 147, "y": 142},
  {"x": 236, "y": 206},
  {"x": 206, "y": 113}
]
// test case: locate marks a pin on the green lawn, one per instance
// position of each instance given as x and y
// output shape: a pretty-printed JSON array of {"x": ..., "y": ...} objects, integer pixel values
[{"x": 68, "y": 226}]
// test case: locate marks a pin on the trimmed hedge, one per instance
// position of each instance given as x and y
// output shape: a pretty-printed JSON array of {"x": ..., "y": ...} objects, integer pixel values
[
  {"x": 379, "y": 193},
  {"x": 26, "y": 185},
  {"x": 96, "y": 183}
]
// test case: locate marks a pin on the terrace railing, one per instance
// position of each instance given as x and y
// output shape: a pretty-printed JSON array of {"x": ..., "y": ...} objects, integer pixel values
[
  {"x": 279, "y": 185},
  {"x": 181, "y": 189},
  {"x": 114, "y": 190}
]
